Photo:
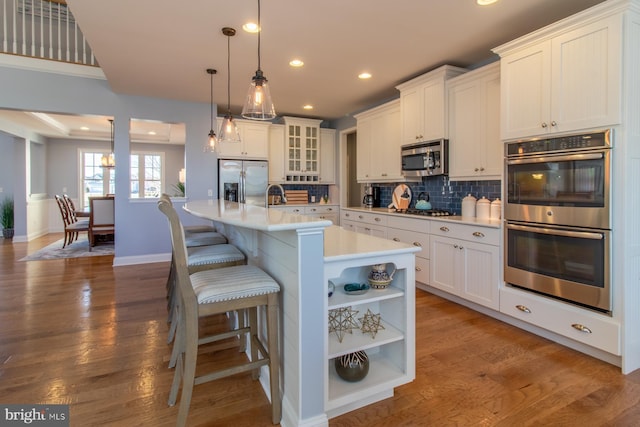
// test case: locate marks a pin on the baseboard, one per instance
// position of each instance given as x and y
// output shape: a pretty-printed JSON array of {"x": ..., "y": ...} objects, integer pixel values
[{"x": 140, "y": 259}]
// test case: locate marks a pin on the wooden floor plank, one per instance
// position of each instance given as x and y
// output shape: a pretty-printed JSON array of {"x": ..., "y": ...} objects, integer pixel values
[{"x": 84, "y": 333}]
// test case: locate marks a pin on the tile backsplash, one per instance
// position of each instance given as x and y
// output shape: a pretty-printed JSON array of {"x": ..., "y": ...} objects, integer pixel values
[{"x": 445, "y": 194}]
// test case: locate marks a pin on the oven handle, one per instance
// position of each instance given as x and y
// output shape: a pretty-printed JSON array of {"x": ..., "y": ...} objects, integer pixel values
[
  {"x": 556, "y": 158},
  {"x": 565, "y": 233}
]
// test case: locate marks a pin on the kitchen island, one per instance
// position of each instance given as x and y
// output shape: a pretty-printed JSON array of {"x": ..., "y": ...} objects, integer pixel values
[{"x": 303, "y": 254}]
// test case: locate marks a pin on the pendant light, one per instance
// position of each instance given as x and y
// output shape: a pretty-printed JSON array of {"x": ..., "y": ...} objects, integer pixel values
[
  {"x": 228, "y": 129},
  {"x": 258, "y": 105},
  {"x": 109, "y": 161},
  {"x": 212, "y": 142}
]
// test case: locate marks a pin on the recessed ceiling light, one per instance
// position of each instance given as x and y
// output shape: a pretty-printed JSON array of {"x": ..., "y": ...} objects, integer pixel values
[
  {"x": 251, "y": 27},
  {"x": 296, "y": 63},
  {"x": 84, "y": 128},
  {"x": 151, "y": 132},
  {"x": 308, "y": 107},
  {"x": 485, "y": 2},
  {"x": 364, "y": 76}
]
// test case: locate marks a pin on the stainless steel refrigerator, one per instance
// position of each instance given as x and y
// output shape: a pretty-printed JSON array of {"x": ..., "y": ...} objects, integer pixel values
[{"x": 243, "y": 181}]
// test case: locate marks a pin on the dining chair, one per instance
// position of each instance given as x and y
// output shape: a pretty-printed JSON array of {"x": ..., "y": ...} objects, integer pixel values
[
  {"x": 209, "y": 292},
  {"x": 101, "y": 218},
  {"x": 72, "y": 226},
  {"x": 72, "y": 208}
]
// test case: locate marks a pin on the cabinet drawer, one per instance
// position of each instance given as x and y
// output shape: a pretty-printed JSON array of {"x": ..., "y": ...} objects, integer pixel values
[
  {"x": 321, "y": 209},
  {"x": 590, "y": 328},
  {"x": 366, "y": 217},
  {"x": 413, "y": 224},
  {"x": 290, "y": 209},
  {"x": 422, "y": 269},
  {"x": 472, "y": 233},
  {"x": 420, "y": 240}
]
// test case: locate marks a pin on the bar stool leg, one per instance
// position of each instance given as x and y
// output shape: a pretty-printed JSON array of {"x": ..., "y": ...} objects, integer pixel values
[{"x": 274, "y": 359}]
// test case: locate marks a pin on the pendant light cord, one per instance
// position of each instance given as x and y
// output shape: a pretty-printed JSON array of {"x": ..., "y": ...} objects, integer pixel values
[
  {"x": 229, "y": 75},
  {"x": 211, "y": 103},
  {"x": 259, "y": 31}
]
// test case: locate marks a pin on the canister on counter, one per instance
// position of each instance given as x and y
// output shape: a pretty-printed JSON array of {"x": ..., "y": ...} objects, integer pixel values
[
  {"x": 469, "y": 206},
  {"x": 496, "y": 209},
  {"x": 483, "y": 208}
]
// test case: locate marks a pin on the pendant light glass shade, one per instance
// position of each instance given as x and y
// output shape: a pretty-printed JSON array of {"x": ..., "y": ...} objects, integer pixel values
[
  {"x": 228, "y": 130},
  {"x": 109, "y": 161},
  {"x": 258, "y": 105},
  {"x": 212, "y": 141}
]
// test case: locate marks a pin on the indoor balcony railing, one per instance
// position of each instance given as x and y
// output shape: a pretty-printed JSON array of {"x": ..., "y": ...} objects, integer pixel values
[{"x": 43, "y": 29}]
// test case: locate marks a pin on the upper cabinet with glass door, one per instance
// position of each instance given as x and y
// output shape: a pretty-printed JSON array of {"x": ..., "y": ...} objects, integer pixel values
[{"x": 302, "y": 149}]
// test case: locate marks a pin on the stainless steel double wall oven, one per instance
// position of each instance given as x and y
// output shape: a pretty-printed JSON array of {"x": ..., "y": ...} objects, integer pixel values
[{"x": 558, "y": 217}]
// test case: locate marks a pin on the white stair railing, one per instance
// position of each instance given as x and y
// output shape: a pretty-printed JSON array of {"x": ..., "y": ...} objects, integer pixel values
[{"x": 43, "y": 29}]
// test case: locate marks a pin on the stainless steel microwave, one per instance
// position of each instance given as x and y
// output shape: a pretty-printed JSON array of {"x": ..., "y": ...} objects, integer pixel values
[{"x": 425, "y": 158}]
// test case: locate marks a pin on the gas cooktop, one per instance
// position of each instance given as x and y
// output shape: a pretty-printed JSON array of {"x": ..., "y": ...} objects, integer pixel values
[{"x": 427, "y": 212}]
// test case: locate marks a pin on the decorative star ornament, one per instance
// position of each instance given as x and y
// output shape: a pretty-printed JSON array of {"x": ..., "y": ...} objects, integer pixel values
[
  {"x": 342, "y": 321},
  {"x": 371, "y": 323}
]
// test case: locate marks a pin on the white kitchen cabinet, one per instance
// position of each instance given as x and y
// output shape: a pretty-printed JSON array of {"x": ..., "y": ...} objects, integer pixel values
[
  {"x": 327, "y": 156},
  {"x": 330, "y": 212},
  {"x": 465, "y": 261},
  {"x": 377, "y": 145},
  {"x": 475, "y": 147},
  {"x": 415, "y": 232},
  {"x": 591, "y": 328},
  {"x": 364, "y": 222},
  {"x": 302, "y": 149},
  {"x": 566, "y": 80},
  {"x": 277, "y": 173},
  {"x": 254, "y": 141},
  {"x": 423, "y": 105}
]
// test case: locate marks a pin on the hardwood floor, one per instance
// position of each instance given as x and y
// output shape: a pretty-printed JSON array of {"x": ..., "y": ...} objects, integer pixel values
[{"x": 83, "y": 333}]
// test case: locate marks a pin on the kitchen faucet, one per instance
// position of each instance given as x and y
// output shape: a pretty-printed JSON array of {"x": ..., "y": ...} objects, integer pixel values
[{"x": 266, "y": 194}]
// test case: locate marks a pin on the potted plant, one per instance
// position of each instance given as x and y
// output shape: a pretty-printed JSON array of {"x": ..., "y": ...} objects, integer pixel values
[{"x": 6, "y": 217}]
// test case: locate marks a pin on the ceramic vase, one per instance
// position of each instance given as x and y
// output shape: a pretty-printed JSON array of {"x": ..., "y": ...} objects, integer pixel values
[{"x": 352, "y": 367}]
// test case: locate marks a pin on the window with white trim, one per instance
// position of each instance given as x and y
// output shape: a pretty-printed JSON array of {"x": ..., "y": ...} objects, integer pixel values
[
  {"x": 96, "y": 180},
  {"x": 147, "y": 173}
]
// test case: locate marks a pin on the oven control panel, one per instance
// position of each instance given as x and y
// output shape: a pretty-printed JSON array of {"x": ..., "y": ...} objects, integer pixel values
[{"x": 563, "y": 143}]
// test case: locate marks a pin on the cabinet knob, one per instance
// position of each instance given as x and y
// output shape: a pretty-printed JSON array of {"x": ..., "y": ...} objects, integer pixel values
[
  {"x": 418, "y": 269},
  {"x": 481, "y": 169},
  {"x": 553, "y": 123},
  {"x": 376, "y": 219},
  {"x": 581, "y": 328},
  {"x": 347, "y": 215},
  {"x": 476, "y": 170},
  {"x": 544, "y": 124},
  {"x": 523, "y": 308},
  {"x": 395, "y": 239},
  {"x": 461, "y": 247},
  {"x": 367, "y": 229},
  {"x": 478, "y": 234},
  {"x": 455, "y": 246},
  {"x": 360, "y": 216},
  {"x": 418, "y": 244},
  {"x": 445, "y": 229}
]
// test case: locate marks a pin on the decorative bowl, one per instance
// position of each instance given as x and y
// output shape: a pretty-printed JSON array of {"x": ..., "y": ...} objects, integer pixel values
[
  {"x": 379, "y": 284},
  {"x": 355, "y": 288}
]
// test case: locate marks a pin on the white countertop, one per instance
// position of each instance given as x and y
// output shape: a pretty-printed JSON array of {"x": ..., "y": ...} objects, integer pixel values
[
  {"x": 341, "y": 244},
  {"x": 492, "y": 223},
  {"x": 252, "y": 217}
]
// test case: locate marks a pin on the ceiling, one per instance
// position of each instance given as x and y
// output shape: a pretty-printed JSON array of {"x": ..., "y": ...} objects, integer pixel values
[{"x": 162, "y": 48}]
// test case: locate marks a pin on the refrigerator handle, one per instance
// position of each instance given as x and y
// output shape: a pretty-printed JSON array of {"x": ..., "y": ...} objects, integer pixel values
[{"x": 241, "y": 195}]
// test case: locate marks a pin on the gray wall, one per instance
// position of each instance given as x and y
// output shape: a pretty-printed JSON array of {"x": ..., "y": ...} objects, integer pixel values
[{"x": 140, "y": 227}]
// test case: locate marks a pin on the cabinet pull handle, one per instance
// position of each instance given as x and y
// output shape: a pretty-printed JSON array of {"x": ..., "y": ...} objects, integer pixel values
[
  {"x": 461, "y": 247},
  {"x": 418, "y": 269},
  {"x": 360, "y": 216},
  {"x": 417, "y": 244},
  {"x": 476, "y": 170},
  {"x": 347, "y": 215},
  {"x": 481, "y": 169},
  {"x": 581, "y": 328},
  {"x": 367, "y": 229},
  {"x": 329, "y": 209},
  {"x": 523, "y": 308},
  {"x": 313, "y": 209},
  {"x": 395, "y": 239},
  {"x": 376, "y": 219},
  {"x": 478, "y": 234},
  {"x": 445, "y": 229}
]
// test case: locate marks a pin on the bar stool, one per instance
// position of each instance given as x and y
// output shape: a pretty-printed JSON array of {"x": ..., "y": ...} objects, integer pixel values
[{"x": 221, "y": 290}]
